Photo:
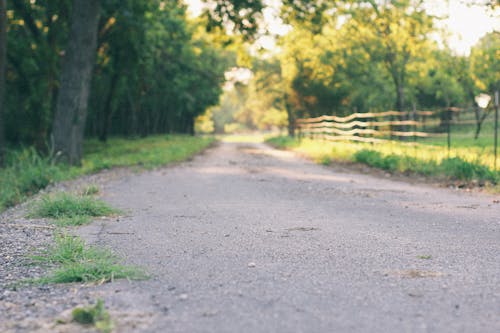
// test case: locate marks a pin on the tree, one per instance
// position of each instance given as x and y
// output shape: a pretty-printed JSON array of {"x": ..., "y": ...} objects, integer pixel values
[
  {"x": 397, "y": 35},
  {"x": 38, "y": 32},
  {"x": 485, "y": 71},
  {"x": 485, "y": 63},
  {"x": 3, "y": 59},
  {"x": 71, "y": 111}
]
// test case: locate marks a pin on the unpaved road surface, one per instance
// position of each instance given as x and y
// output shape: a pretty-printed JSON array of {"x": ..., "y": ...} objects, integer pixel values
[{"x": 246, "y": 238}]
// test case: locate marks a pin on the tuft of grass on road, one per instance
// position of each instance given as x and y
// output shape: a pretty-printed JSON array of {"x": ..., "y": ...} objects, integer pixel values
[
  {"x": 67, "y": 209},
  {"x": 77, "y": 262},
  {"x": 27, "y": 172},
  {"x": 397, "y": 158}
]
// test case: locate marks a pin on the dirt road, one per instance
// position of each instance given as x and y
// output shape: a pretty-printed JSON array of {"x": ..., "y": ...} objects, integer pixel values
[{"x": 249, "y": 239}]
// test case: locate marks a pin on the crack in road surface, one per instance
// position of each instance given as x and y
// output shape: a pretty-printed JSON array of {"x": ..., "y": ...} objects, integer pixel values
[{"x": 245, "y": 238}]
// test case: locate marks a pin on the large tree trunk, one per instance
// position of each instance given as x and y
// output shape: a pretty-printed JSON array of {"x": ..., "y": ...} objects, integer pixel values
[
  {"x": 71, "y": 111},
  {"x": 3, "y": 60}
]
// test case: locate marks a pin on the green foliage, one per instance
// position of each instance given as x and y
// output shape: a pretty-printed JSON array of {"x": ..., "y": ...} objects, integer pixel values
[
  {"x": 96, "y": 315},
  {"x": 77, "y": 262}
]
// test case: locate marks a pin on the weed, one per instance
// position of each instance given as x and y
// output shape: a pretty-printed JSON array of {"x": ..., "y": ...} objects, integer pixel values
[{"x": 96, "y": 315}]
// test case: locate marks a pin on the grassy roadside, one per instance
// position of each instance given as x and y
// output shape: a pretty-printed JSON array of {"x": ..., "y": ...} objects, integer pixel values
[
  {"x": 27, "y": 172},
  {"x": 426, "y": 160}
]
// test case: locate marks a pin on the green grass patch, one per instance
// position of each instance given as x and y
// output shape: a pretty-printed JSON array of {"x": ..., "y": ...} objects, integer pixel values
[
  {"x": 469, "y": 164},
  {"x": 71, "y": 209},
  {"x": 74, "y": 261},
  {"x": 96, "y": 316},
  {"x": 27, "y": 172}
]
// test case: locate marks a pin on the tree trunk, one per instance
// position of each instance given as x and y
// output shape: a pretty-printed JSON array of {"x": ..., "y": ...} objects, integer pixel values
[
  {"x": 3, "y": 59},
  {"x": 108, "y": 109},
  {"x": 291, "y": 118},
  {"x": 71, "y": 111}
]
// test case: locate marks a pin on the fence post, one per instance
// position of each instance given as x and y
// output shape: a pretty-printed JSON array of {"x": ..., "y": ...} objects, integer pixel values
[{"x": 496, "y": 129}]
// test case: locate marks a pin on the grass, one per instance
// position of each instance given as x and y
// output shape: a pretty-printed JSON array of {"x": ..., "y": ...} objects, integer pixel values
[
  {"x": 90, "y": 190},
  {"x": 96, "y": 316},
  {"x": 467, "y": 164},
  {"x": 66, "y": 209},
  {"x": 77, "y": 262},
  {"x": 147, "y": 153},
  {"x": 27, "y": 172},
  {"x": 73, "y": 260}
]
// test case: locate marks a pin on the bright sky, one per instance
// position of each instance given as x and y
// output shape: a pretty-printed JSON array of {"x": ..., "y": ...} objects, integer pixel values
[{"x": 466, "y": 24}]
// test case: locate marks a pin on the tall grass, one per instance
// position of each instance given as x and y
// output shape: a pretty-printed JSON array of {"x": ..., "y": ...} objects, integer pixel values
[{"x": 27, "y": 172}]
